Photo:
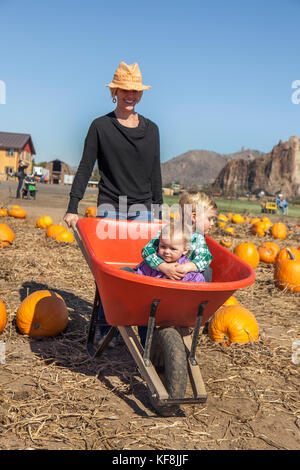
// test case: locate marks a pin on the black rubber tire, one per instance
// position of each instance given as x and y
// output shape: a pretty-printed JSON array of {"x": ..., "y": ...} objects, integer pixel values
[{"x": 169, "y": 357}]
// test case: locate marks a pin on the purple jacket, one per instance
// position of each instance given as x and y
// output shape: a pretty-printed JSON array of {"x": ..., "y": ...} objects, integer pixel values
[{"x": 144, "y": 269}]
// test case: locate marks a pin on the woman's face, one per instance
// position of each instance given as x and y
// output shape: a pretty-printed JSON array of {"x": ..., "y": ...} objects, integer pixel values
[{"x": 127, "y": 99}]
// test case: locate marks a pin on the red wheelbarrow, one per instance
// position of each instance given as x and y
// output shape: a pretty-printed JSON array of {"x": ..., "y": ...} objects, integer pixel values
[{"x": 169, "y": 308}]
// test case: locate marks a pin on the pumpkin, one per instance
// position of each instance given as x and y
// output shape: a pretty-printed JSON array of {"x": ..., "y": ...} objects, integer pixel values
[
  {"x": 3, "y": 316},
  {"x": 259, "y": 229},
  {"x": 221, "y": 224},
  {"x": 248, "y": 253},
  {"x": 287, "y": 274},
  {"x": 17, "y": 212},
  {"x": 278, "y": 230},
  {"x": 3, "y": 212},
  {"x": 229, "y": 230},
  {"x": 284, "y": 253},
  {"x": 268, "y": 252},
  {"x": 65, "y": 236},
  {"x": 226, "y": 242},
  {"x": 44, "y": 221},
  {"x": 7, "y": 236},
  {"x": 54, "y": 230},
  {"x": 222, "y": 217},
  {"x": 229, "y": 215},
  {"x": 254, "y": 221},
  {"x": 231, "y": 301},
  {"x": 42, "y": 313},
  {"x": 267, "y": 222},
  {"x": 234, "y": 324},
  {"x": 237, "y": 219},
  {"x": 91, "y": 211}
]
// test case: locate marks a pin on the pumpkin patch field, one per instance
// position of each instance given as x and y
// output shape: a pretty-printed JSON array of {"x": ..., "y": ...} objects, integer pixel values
[{"x": 53, "y": 396}]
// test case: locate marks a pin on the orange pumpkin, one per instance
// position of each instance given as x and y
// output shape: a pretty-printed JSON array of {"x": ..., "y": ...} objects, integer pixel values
[
  {"x": 222, "y": 217},
  {"x": 254, "y": 221},
  {"x": 221, "y": 224},
  {"x": 231, "y": 301},
  {"x": 234, "y": 324},
  {"x": 42, "y": 313},
  {"x": 54, "y": 230},
  {"x": 259, "y": 229},
  {"x": 267, "y": 222},
  {"x": 91, "y": 211},
  {"x": 3, "y": 316},
  {"x": 237, "y": 219},
  {"x": 229, "y": 230},
  {"x": 268, "y": 252},
  {"x": 3, "y": 212},
  {"x": 44, "y": 221},
  {"x": 17, "y": 212},
  {"x": 65, "y": 236},
  {"x": 7, "y": 236},
  {"x": 284, "y": 253},
  {"x": 287, "y": 274},
  {"x": 248, "y": 253},
  {"x": 226, "y": 242},
  {"x": 278, "y": 230}
]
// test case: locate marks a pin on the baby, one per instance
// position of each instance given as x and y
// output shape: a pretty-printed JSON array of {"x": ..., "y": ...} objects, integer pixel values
[{"x": 173, "y": 248}]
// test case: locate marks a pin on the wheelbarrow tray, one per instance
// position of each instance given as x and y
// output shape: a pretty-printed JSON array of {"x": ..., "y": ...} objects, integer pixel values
[{"x": 127, "y": 297}]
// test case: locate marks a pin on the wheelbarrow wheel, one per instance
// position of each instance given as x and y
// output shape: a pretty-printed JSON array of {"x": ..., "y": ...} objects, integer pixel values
[{"x": 170, "y": 361}]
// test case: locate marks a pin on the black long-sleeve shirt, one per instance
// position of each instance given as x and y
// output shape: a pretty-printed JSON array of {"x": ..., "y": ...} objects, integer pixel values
[{"x": 128, "y": 160}]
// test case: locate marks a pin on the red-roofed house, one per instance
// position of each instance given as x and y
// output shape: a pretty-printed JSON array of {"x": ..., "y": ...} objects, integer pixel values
[{"x": 13, "y": 148}]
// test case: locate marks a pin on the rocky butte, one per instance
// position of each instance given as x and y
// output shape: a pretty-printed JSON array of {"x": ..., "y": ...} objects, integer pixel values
[{"x": 276, "y": 171}]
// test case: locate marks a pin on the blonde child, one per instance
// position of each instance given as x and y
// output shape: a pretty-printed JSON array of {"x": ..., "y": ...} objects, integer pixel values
[{"x": 198, "y": 213}]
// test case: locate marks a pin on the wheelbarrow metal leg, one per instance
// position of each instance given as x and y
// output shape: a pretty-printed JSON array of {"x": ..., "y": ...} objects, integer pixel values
[
  {"x": 148, "y": 373},
  {"x": 150, "y": 330},
  {"x": 192, "y": 357}
]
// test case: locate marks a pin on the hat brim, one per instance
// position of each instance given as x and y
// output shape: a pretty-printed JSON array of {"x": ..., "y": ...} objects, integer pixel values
[{"x": 129, "y": 86}]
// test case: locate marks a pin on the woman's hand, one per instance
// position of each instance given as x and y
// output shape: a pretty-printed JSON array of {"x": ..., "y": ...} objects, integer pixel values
[{"x": 69, "y": 218}]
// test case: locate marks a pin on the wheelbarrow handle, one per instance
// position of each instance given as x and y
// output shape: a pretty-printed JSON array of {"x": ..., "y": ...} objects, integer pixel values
[{"x": 80, "y": 244}]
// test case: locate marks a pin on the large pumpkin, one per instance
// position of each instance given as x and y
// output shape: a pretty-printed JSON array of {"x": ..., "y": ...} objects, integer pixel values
[
  {"x": 268, "y": 252},
  {"x": 42, "y": 313},
  {"x": 287, "y": 274},
  {"x": 7, "y": 236},
  {"x": 17, "y": 212},
  {"x": 259, "y": 228},
  {"x": 278, "y": 230},
  {"x": 44, "y": 221},
  {"x": 3, "y": 316},
  {"x": 233, "y": 324},
  {"x": 248, "y": 253},
  {"x": 54, "y": 230}
]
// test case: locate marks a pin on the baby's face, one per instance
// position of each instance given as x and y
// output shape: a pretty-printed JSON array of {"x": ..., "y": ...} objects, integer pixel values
[{"x": 171, "y": 250}]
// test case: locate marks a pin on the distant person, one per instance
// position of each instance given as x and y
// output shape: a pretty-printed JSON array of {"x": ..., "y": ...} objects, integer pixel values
[
  {"x": 20, "y": 175},
  {"x": 282, "y": 204}
]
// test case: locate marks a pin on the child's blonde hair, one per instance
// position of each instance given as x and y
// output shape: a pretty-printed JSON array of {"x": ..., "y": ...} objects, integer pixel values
[{"x": 197, "y": 199}]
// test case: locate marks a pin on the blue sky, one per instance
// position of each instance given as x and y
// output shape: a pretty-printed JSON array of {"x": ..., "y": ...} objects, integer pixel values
[{"x": 221, "y": 71}]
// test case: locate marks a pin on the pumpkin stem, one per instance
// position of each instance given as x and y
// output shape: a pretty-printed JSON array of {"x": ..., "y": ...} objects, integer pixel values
[{"x": 292, "y": 256}]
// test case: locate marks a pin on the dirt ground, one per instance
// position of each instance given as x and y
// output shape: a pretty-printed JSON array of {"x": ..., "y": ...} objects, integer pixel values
[{"x": 53, "y": 396}]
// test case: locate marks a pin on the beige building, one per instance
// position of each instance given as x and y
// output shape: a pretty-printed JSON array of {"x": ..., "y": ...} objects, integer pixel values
[
  {"x": 13, "y": 148},
  {"x": 57, "y": 171}
]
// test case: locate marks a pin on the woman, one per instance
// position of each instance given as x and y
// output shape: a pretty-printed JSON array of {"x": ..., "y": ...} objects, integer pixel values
[{"x": 126, "y": 146}]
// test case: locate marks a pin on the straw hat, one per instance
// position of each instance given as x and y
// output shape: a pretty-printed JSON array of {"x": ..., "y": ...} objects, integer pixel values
[{"x": 128, "y": 77}]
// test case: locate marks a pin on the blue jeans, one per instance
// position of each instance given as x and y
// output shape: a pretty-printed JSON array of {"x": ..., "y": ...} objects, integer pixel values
[
  {"x": 139, "y": 215},
  {"x": 18, "y": 195}
]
